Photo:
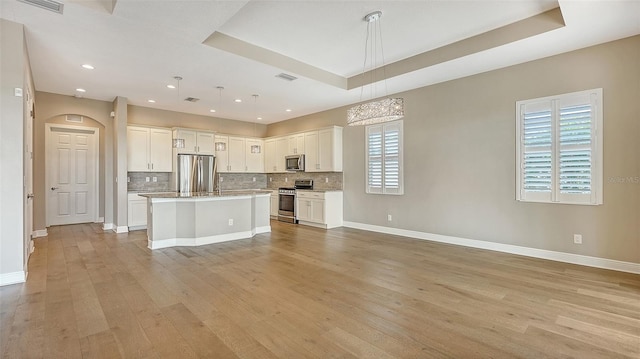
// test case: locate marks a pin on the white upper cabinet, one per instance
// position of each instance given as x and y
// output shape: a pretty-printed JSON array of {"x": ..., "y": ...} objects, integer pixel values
[
  {"x": 222, "y": 153},
  {"x": 195, "y": 142},
  {"x": 237, "y": 162},
  {"x": 239, "y": 154},
  {"x": 148, "y": 149},
  {"x": 254, "y": 154},
  {"x": 274, "y": 151},
  {"x": 295, "y": 144},
  {"x": 323, "y": 150}
]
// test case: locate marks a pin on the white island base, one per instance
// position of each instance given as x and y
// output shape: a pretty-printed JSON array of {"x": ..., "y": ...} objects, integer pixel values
[{"x": 204, "y": 219}]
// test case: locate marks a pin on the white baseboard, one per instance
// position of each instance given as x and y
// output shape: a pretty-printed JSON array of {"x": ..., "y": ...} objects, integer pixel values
[
  {"x": 121, "y": 229},
  {"x": 99, "y": 220},
  {"x": 39, "y": 233},
  {"x": 190, "y": 242},
  {"x": 12, "y": 278},
  {"x": 32, "y": 247},
  {"x": 107, "y": 226},
  {"x": 588, "y": 261},
  {"x": 264, "y": 229}
]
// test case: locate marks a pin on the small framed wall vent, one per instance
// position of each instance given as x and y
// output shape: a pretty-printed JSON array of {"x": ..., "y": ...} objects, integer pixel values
[{"x": 75, "y": 118}]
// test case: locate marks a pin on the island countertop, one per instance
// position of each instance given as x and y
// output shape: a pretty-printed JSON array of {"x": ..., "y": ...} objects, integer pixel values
[{"x": 221, "y": 194}]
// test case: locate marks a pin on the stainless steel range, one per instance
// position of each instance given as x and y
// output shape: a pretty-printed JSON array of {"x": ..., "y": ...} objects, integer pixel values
[{"x": 287, "y": 200}]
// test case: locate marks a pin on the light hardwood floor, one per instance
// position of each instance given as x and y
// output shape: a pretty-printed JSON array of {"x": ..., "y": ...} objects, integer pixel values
[{"x": 301, "y": 292}]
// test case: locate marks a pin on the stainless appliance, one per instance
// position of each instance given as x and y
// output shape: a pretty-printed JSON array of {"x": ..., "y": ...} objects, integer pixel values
[
  {"x": 287, "y": 200},
  {"x": 294, "y": 163},
  {"x": 194, "y": 173}
]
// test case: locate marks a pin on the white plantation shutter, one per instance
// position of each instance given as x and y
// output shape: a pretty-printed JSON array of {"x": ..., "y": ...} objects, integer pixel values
[
  {"x": 384, "y": 158},
  {"x": 374, "y": 159},
  {"x": 560, "y": 148}
]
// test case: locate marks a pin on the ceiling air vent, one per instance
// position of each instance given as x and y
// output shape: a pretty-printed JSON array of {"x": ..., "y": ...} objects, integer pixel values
[
  {"x": 192, "y": 99},
  {"x": 46, "y": 4},
  {"x": 286, "y": 77}
]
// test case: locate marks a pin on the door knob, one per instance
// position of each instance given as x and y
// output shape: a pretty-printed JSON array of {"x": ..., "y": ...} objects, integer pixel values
[
  {"x": 30, "y": 195},
  {"x": 54, "y": 188}
]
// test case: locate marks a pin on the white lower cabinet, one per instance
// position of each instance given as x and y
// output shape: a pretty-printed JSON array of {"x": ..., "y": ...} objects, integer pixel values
[
  {"x": 275, "y": 204},
  {"x": 137, "y": 212},
  {"x": 319, "y": 209}
]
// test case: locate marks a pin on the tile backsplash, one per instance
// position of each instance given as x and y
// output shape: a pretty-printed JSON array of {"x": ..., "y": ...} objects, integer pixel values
[
  {"x": 157, "y": 181},
  {"x": 321, "y": 180},
  {"x": 232, "y": 181}
]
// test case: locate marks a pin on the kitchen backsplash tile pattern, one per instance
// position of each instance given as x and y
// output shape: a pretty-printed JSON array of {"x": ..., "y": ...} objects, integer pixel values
[
  {"x": 137, "y": 181},
  {"x": 231, "y": 181},
  {"x": 321, "y": 180}
]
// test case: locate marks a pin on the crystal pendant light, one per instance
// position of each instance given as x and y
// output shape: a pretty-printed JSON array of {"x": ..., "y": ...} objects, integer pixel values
[
  {"x": 377, "y": 111},
  {"x": 178, "y": 142},
  {"x": 255, "y": 148},
  {"x": 220, "y": 146}
]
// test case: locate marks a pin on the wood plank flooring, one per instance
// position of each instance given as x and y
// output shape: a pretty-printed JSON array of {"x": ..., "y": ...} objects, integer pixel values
[{"x": 301, "y": 292}]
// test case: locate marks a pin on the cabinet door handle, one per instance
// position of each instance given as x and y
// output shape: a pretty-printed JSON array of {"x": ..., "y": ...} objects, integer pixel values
[
  {"x": 148, "y": 166},
  {"x": 152, "y": 166}
]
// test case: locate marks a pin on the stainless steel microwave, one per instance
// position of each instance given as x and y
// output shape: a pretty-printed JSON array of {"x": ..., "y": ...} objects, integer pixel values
[{"x": 294, "y": 163}]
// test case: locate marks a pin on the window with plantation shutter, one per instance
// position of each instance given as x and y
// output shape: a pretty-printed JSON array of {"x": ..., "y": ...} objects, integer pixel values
[
  {"x": 559, "y": 149},
  {"x": 384, "y": 158}
]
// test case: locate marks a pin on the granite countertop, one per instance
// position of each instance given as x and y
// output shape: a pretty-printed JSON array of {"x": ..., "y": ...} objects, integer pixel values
[
  {"x": 319, "y": 190},
  {"x": 229, "y": 193}
]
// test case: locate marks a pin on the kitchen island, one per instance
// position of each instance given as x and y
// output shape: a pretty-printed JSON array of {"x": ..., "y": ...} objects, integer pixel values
[{"x": 195, "y": 219}]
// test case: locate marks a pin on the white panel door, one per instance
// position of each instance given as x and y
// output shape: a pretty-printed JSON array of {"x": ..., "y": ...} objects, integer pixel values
[
  {"x": 71, "y": 174},
  {"x": 205, "y": 141},
  {"x": 160, "y": 150},
  {"x": 138, "y": 149},
  {"x": 28, "y": 179}
]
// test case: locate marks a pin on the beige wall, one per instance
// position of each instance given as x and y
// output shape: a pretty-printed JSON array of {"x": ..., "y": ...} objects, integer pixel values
[
  {"x": 13, "y": 65},
  {"x": 154, "y": 117},
  {"x": 53, "y": 108},
  {"x": 459, "y": 155}
]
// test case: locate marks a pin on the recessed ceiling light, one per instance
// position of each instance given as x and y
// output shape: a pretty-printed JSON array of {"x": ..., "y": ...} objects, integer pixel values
[
  {"x": 171, "y": 86},
  {"x": 81, "y": 90},
  {"x": 151, "y": 101},
  {"x": 288, "y": 110},
  {"x": 88, "y": 67},
  {"x": 237, "y": 100},
  {"x": 259, "y": 118},
  {"x": 212, "y": 110}
]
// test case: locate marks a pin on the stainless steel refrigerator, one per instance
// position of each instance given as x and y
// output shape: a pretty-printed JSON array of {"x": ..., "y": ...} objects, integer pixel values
[{"x": 194, "y": 173}]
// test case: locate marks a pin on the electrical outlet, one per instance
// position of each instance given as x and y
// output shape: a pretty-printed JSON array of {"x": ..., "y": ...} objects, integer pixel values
[
  {"x": 326, "y": 180},
  {"x": 128, "y": 179},
  {"x": 270, "y": 179},
  {"x": 155, "y": 179},
  {"x": 577, "y": 238},
  {"x": 231, "y": 221},
  {"x": 254, "y": 179},
  {"x": 389, "y": 218},
  {"x": 286, "y": 179},
  {"x": 146, "y": 179},
  {"x": 221, "y": 179}
]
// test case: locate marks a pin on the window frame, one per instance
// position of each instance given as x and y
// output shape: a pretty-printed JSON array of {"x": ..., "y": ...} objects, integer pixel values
[
  {"x": 383, "y": 129},
  {"x": 554, "y": 104}
]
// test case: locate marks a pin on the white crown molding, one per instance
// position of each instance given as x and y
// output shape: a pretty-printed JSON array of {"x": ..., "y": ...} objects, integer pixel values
[{"x": 588, "y": 261}]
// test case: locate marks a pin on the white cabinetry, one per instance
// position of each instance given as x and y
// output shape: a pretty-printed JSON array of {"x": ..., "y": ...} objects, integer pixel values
[
  {"x": 319, "y": 209},
  {"x": 239, "y": 154},
  {"x": 254, "y": 155},
  {"x": 197, "y": 142},
  {"x": 275, "y": 203},
  {"x": 275, "y": 151},
  {"x": 137, "y": 212},
  {"x": 323, "y": 150},
  {"x": 295, "y": 144},
  {"x": 148, "y": 149}
]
